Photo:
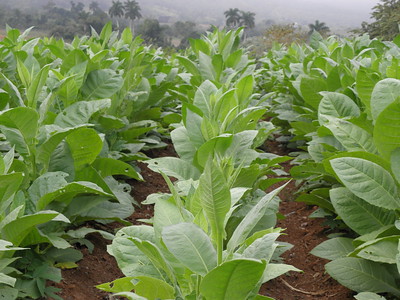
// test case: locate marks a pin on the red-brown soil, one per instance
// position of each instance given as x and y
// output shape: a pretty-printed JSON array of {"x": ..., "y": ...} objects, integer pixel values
[{"x": 302, "y": 232}]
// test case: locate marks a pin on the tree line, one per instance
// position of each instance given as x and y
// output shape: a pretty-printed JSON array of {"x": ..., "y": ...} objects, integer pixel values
[{"x": 78, "y": 20}]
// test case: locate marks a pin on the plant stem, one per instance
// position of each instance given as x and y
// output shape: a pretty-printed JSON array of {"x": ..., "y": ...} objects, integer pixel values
[
  {"x": 219, "y": 248},
  {"x": 198, "y": 297}
]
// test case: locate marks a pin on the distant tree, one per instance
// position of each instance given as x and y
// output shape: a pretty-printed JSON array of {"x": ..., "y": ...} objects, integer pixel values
[
  {"x": 387, "y": 20},
  {"x": 152, "y": 32},
  {"x": 116, "y": 10},
  {"x": 318, "y": 26},
  {"x": 232, "y": 17},
  {"x": 185, "y": 31},
  {"x": 77, "y": 8},
  {"x": 132, "y": 11},
  {"x": 97, "y": 20},
  {"x": 247, "y": 19},
  {"x": 283, "y": 34},
  {"x": 94, "y": 7}
]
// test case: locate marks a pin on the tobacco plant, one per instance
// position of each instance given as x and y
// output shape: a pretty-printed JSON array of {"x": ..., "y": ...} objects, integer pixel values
[
  {"x": 340, "y": 100},
  {"x": 187, "y": 253}
]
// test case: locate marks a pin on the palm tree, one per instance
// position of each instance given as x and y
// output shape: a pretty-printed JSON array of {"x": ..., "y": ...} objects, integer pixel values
[
  {"x": 232, "y": 17},
  {"x": 318, "y": 26},
  {"x": 116, "y": 9},
  {"x": 247, "y": 19},
  {"x": 132, "y": 11}
]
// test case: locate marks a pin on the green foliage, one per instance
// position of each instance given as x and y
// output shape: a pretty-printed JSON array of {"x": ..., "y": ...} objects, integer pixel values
[
  {"x": 209, "y": 237},
  {"x": 73, "y": 117},
  {"x": 319, "y": 27},
  {"x": 338, "y": 99},
  {"x": 386, "y": 15}
]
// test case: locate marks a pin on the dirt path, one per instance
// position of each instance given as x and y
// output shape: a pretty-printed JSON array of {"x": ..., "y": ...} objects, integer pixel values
[{"x": 303, "y": 233}]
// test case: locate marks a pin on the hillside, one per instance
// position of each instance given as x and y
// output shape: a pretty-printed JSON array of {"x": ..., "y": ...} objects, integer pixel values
[{"x": 337, "y": 14}]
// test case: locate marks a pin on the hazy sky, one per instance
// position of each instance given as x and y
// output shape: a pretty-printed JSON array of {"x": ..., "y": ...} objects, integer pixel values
[{"x": 335, "y": 13}]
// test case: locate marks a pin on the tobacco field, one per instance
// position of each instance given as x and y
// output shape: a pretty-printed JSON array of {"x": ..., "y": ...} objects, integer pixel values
[{"x": 81, "y": 121}]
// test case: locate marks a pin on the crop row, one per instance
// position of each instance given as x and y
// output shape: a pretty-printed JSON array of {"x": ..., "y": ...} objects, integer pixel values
[
  {"x": 76, "y": 116},
  {"x": 339, "y": 101}
]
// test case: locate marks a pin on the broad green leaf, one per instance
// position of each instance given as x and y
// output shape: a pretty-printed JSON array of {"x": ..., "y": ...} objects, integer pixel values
[
  {"x": 35, "y": 88},
  {"x": 165, "y": 214},
  {"x": 8, "y": 293},
  {"x": 214, "y": 147},
  {"x": 262, "y": 248},
  {"x": 352, "y": 137},
  {"x": 119, "y": 285},
  {"x": 387, "y": 129},
  {"x": 199, "y": 45},
  {"x": 16, "y": 230},
  {"x": 334, "y": 248},
  {"x": 20, "y": 126},
  {"x": 153, "y": 288},
  {"x": 101, "y": 84},
  {"x": 337, "y": 105},
  {"x": 8, "y": 246},
  {"x": 130, "y": 296},
  {"x": 310, "y": 88},
  {"x": 233, "y": 280},
  {"x": 80, "y": 112},
  {"x": 130, "y": 259},
  {"x": 362, "y": 276},
  {"x": 193, "y": 124},
  {"x": 358, "y": 154},
  {"x": 8, "y": 160},
  {"x": 358, "y": 214},
  {"x": 206, "y": 67},
  {"x": 68, "y": 91},
  {"x": 398, "y": 258},
  {"x": 154, "y": 254},
  {"x": 46, "y": 183},
  {"x": 175, "y": 167},
  {"x": 251, "y": 219},
  {"x": 46, "y": 149},
  {"x": 365, "y": 83},
  {"x": 20, "y": 101},
  {"x": 382, "y": 250},
  {"x": 385, "y": 92},
  {"x": 85, "y": 145},
  {"x": 395, "y": 163},
  {"x": 106, "y": 33},
  {"x": 315, "y": 39},
  {"x": 244, "y": 90},
  {"x": 23, "y": 72},
  {"x": 275, "y": 270},
  {"x": 108, "y": 166},
  {"x": 75, "y": 57},
  {"x": 203, "y": 95},
  {"x": 368, "y": 296},
  {"x": 191, "y": 246},
  {"x": 260, "y": 297},
  {"x": 9, "y": 185},
  {"x": 182, "y": 144},
  {"x": 110, "y": 122},
  {"x": 218, "y": 64},
  {"x": 368, "y": 181},
  {"x": 8, "y": 280},
  {"x": 215, "y": 198},
  {"x": 69, "y": 191},
  {"x": 189, "y": 65},
  {"x": 234, "y": 58}
]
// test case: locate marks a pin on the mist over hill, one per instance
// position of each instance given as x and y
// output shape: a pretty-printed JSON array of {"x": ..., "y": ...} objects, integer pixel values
[{"x": 335, "y": 13}]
